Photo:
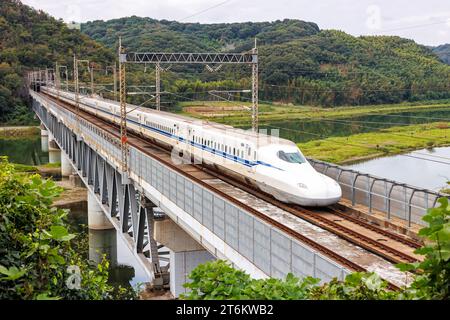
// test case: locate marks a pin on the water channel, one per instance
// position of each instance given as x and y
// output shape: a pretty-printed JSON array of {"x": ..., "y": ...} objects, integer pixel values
[{"x": 301, "y": 131}]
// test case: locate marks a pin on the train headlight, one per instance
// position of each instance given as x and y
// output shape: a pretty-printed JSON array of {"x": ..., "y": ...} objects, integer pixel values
[{"x": 302, "y": 185}]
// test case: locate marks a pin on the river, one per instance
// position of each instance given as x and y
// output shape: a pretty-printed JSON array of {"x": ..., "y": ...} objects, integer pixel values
[
  {"x": 426, "y": 168},
  {"x": 125, "y": 269},
  {"x": 301, "y": 131}
]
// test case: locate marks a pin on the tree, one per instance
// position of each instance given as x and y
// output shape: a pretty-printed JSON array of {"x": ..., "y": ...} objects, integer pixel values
[{"x": 39, "y": 256}]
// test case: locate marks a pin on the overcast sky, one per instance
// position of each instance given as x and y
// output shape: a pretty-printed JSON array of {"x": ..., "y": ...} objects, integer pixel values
[{"x": 427, "y": 22}]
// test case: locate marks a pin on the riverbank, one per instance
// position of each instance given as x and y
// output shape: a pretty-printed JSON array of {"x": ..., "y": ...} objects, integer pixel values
[
  {"x": 365, "y": 146},
  {"x": 48, "y": 169},
  {"x": 238, "y": 113},
  {"x": 19, "y": 131}
]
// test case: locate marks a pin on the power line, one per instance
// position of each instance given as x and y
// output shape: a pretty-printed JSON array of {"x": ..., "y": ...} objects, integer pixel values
[
  {"x": 431, "y": 155},
  {"x": 357, "y": 145},
  {"x": 444, "y": 89},
  {"x": 369, "y": 127},
  {"x": 204, "y": 10},
  {"x": 414, "y": 117},
  {"x": 413, "y": 27}
]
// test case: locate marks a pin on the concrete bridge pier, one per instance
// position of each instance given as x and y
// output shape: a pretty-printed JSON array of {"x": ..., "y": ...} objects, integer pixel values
[
  {"x": 54, "y": 153},
  {"x": 185, "y": 253},
  {"x": 103, "y": 242},
  {"x": 97, "y": 219},
  {"x": 44, "y": 138},
  {"x": 66, "y": 167}
]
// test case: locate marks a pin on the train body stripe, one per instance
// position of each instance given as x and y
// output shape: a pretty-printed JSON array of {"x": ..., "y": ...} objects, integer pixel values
[{"x": 225, "y": 155}]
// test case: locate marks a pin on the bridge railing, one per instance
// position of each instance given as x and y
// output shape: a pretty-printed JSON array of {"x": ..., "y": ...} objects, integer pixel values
[{"x": 393, "y": 198}]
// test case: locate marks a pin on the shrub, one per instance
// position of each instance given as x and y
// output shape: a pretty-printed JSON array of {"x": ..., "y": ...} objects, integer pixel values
[{"x": 38, "y": 255}]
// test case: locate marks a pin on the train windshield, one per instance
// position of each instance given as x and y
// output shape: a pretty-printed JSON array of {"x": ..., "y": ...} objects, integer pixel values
[{"x": 292, "y": 157}]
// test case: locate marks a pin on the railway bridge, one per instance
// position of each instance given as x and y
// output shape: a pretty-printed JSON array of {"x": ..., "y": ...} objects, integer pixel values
[{"x": 201, "y": 215}]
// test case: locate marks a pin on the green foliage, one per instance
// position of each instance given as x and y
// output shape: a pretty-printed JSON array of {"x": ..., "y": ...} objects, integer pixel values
[
  {"x": 24, "y": 168},
  {"x": 356, "y": 286},
  {"x": 32, "y": 39},
  {"x": 37, "y": 250},
  {"x": 433, "y": 279},
  {"x": 218, "y": 280}
]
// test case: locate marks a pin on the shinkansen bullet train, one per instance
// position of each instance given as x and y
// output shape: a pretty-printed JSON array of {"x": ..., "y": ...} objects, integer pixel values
[{"x": 274, "y": 165}]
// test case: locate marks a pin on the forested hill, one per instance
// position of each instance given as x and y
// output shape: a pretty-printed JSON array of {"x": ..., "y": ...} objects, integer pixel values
[
  {"x": 443, "y": 52},
  {"x": 31, "y": 38},
  {"x": 299, "y": 62},
  {"x": 154, "y": 35}
]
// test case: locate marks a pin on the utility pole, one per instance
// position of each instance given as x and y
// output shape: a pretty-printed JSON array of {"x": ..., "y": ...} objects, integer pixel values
[
  {"x": 255, "y": 110},
  {"x": 114, "y": 70},
  {"x": 57, "y": 80},
  {"x": 158, "y": 86},
  {"x": 123, "y": 111},
  {"x": 91, "y": 66},
  {"x": 115, "y": 80},
  {"x": 67, "y": 76},
  {"x": 57, "y": 75},
  {"x": 77, "y": 92},
  {"x": 77, "y": 88}
]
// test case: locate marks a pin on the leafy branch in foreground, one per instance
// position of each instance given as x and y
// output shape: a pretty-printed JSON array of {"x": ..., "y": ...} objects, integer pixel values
[
  {"x": 39, "y": 258},
  {"x": 218, "y": 280},
  {"x": 433, "y": 279}
]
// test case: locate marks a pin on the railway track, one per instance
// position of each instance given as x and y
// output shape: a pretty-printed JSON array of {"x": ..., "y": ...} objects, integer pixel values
[
  {"x": 395, "y": 248},
  {"x": 387, "y": 244}
]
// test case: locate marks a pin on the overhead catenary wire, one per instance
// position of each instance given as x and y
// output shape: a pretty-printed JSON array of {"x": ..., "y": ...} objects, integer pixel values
[
  {"x": 205, "y": 10},
  {"x": 356, "y": 145}
]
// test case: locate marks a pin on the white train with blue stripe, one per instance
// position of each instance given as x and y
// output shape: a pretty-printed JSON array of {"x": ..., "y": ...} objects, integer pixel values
[{"x": 274, "y": 165}]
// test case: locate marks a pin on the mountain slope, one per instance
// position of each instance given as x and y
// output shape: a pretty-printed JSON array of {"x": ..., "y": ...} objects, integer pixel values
[
  {"x": 299, "y": 62},
  {"x": 154, "y": 35},
  {"x": 31, "y": 39},
  {"x": 443, "y": 52}
]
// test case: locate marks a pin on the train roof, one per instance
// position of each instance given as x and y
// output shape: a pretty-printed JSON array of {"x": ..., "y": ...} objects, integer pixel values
[
  {"x": 222, "y": 129},
  {"x": 260, "y": 139}
]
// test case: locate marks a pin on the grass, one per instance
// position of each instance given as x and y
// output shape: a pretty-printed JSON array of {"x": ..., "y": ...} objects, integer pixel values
[
  {"x": 274, "y": 112},
  {"x": 18, "y": 132},
  {"x": 25, "y": 168},
  {"x": 51, "y": 165},
  {"x": 363, "y": 146}
]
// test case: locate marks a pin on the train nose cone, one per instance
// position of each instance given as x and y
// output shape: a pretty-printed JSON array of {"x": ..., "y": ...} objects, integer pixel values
[
  {"x": 333, "y": 189},
  {"x": 325, "y": 191}
]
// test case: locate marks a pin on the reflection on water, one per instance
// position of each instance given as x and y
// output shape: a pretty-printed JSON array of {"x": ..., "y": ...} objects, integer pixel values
[
  {"x": 432, "y": 173},
  {"x": 124, "y": 268},
  {"x": 307, "y": 130},
  {"x": 25, "y": 150}
]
